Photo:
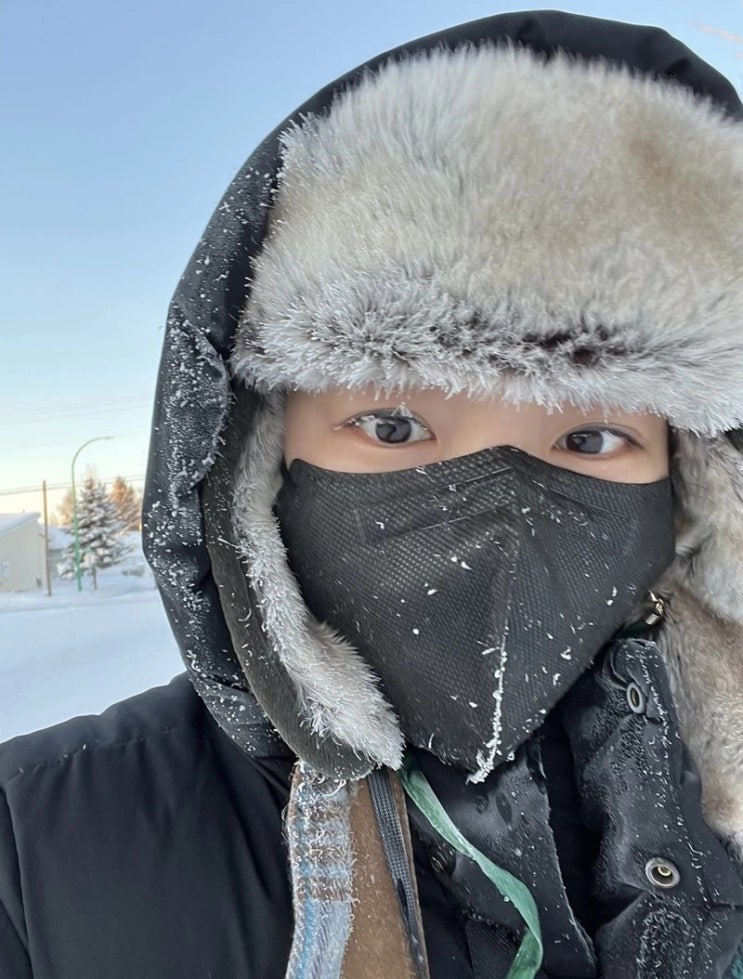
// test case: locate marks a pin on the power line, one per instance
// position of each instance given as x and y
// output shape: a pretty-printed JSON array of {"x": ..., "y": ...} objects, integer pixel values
[
  {"x": 17, "y": 491},
  {"x": 32, "y": 416},
  {"x": 34, "y": 446},
  {"x": 93, "y": 403}
]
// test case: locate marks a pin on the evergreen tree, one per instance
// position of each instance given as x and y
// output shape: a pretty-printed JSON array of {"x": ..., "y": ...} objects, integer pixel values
[
  {"x": 97, "y": 528},
  {"x": 128, "y": 503}
]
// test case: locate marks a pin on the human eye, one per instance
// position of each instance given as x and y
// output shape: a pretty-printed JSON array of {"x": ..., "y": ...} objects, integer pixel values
[
  {"x": 596, "y": 441},
  {"x": 390, "y": 426}
]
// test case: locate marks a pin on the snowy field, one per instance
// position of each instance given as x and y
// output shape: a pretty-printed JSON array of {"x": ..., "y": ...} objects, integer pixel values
[{"x": 78, "y": 652}]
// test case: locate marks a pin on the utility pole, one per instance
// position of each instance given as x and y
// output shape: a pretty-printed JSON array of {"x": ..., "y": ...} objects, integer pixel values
[{"x": 46, "y": 541}]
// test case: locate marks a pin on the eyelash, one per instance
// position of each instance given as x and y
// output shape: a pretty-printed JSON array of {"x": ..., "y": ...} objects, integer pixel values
[
  {"x": 604, "y": 430},
  {"x": 391, "y": 414},
  {"x": 357, "y": 421}
]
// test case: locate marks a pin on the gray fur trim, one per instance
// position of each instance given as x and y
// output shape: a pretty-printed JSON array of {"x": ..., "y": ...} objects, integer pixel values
[
  {"x": 704, "y": 657},
  {"x": 337, "y": 694},
  {"x": 708, "y": 486},
  {"x": 481, "y": 220},
  {"x": 702, "y": 640}
]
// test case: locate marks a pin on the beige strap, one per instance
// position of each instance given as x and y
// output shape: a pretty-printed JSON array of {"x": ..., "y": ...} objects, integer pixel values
[{"x": 378, "y": 947}]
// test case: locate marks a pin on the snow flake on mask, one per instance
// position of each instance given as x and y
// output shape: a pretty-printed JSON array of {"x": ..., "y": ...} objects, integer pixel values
[{"x": 462, "y": 564}]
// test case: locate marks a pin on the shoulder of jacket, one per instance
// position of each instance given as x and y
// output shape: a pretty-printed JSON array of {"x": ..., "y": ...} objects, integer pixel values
[{"x": 150, "y": 715}]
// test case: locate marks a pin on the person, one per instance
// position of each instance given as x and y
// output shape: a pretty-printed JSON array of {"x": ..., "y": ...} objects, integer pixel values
[{"x": 444, "y": 504}]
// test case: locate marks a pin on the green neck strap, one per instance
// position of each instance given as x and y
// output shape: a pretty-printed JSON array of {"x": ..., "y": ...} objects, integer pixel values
[{"x": 528, "y": 959}]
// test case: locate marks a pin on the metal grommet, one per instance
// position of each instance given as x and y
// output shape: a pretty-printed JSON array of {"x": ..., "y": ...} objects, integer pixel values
[
  {"x": 657, "y": 609},
  {"x": 662, "y": 873},
  {"x": 635, "y": 698}
]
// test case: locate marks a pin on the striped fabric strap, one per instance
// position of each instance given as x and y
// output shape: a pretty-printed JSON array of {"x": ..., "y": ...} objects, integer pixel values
[
  {"x": 318, "y": 834},
  {"x": 528, "y": 959}
]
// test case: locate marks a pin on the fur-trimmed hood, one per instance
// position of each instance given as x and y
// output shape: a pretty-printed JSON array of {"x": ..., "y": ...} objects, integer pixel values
[
  {"x": 483, "y": 220},
  {"x": 543, "y": 205}
]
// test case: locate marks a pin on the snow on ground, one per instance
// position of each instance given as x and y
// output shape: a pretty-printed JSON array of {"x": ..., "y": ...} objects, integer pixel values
[{"x": 78, "y": 652}]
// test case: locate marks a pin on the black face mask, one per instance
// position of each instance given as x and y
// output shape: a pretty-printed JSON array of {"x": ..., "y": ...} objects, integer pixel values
[{"x": 478, "y": 589}]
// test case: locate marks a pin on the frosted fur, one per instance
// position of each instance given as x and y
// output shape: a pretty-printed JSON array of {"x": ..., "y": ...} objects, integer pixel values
[
  {"x": 481, "y": 220},
  {"x": 702, "y": 640},
  {"x": 337, "y": 693},
  {"x": 704, "y": 656},
  {"x": 709, "y": 490}
]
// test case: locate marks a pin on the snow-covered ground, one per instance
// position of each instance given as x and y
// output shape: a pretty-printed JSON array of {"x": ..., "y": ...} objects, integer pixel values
[{"x": 78, "y": 652}]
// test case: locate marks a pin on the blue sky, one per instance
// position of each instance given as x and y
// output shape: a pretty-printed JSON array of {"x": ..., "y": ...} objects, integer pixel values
[{"x": 122, "y": 124}]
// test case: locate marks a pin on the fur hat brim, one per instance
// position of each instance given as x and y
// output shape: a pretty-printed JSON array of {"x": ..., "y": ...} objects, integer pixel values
[{"x": 483, "y": 220}]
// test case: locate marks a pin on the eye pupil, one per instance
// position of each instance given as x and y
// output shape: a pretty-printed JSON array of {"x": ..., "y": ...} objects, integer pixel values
[
  {"x": 393, "y": 429},
  {"x": 589, "y": 442}
]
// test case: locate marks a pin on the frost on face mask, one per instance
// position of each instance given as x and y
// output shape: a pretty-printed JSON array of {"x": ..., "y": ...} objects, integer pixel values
[{"x": 478, "y": 589}]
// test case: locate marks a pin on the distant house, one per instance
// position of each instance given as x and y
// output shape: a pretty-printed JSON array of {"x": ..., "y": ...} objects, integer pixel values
[
  {"x": 59, "y": 540},
  {"x": 22, "y": 562}
]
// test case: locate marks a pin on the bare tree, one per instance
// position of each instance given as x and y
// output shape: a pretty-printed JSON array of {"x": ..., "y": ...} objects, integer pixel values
[
  {"x": 128, "y": 503},
  {"x": 62, "y": 516}
]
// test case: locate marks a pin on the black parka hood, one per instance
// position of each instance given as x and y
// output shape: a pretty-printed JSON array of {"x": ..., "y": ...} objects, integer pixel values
[{"x": 202, "y": 416}]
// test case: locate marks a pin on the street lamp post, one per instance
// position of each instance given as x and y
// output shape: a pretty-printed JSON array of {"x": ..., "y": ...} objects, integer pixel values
[{"x": 75, "y": 530}]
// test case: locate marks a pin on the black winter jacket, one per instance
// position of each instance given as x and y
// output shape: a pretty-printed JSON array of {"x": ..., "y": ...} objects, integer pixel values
[
  {"x": 145, "y": 843},
  {"x": 142, "y": 845}
]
